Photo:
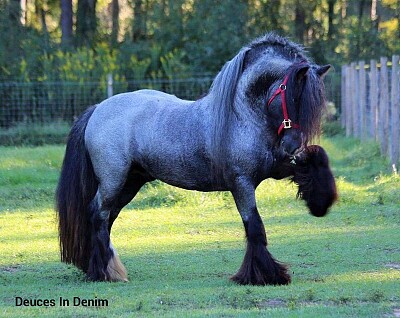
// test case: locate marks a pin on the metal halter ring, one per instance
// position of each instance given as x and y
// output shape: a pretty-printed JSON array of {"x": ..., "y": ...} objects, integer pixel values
[{"x": 287, "y": 123}]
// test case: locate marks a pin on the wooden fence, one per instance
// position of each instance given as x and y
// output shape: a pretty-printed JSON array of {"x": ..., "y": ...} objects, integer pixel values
[{"x": 371, "y": 103}]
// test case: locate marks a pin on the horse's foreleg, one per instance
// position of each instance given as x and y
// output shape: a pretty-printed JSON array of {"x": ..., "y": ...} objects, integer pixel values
[{"x": 258, "y": 267}]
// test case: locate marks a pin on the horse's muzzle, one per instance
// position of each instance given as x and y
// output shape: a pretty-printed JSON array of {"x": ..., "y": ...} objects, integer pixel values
[
  {"x": 292, "y": 142},
  {"x": 292, "y": 148}
]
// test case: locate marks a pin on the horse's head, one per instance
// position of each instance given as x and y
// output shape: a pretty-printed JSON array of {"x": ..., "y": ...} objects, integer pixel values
[
  {"x": 286, "y": 90},
  {"x": 272, "y": 83},
  {"x": 298, "y": 101}
]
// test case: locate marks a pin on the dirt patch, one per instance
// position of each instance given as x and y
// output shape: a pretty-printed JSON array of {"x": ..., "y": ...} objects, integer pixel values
[
  {"x": 393, "y": 266},
  {"x": 10, "y": 269},
  {"x": 272, "y": 303}
]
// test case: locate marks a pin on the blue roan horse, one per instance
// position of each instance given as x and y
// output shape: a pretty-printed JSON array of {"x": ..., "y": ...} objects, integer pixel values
[{"x": 262, "y": 110}]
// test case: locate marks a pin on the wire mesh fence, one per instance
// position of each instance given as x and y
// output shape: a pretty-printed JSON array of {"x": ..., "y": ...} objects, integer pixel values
[
  {"x": 45, "y": 102},
  {"x": 39, "y": 103}
]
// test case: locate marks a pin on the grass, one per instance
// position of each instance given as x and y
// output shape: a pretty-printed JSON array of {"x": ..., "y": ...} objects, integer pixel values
[
  {"x": 181, "y": 247},
  {"x": 28, "y": 134}
]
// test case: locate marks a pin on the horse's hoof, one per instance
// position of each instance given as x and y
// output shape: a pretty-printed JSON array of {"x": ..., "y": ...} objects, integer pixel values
[{"x": 261, "y": 279}]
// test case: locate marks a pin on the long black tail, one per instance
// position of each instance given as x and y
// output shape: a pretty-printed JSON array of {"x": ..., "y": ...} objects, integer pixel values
[{"x": 76, "y": 188}]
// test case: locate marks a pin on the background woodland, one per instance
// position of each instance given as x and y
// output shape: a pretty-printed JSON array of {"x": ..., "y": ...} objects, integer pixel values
[{"x": 82, "y": 40}]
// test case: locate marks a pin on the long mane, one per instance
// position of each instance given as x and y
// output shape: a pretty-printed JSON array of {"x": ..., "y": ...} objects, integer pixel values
[
  {"x": 282, "y": 46},
  {"x": 223, "y": 90}
]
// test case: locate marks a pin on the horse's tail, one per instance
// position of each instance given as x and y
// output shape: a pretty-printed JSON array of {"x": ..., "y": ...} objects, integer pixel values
[{"x": 76, "y": 188}]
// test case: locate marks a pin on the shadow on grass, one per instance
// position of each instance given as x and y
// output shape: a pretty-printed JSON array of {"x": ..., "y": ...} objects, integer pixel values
[
  {"x": 312, "y": 258},
  {"x": 164, "y": 283}
]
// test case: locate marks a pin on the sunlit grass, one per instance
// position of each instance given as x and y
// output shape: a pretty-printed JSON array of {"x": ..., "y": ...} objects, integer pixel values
[{"x": 180, "y": 247}]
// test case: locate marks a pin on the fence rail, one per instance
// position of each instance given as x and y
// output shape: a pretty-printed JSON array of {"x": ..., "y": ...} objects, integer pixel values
[{"x": 371, "y": 103}]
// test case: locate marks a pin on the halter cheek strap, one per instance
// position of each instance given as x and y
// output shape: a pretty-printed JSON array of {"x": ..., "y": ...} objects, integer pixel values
[{"x": 286, "y": 123}]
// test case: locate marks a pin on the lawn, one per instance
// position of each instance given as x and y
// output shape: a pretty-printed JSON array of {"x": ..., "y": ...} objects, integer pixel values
[{"x": 181, "y": 247}]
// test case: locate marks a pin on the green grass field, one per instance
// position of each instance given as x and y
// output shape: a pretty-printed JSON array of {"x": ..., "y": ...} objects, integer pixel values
[{"x": 181, "y": 247}]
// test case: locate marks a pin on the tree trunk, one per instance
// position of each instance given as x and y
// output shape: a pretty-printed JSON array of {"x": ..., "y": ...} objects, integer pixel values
[
  {"x": 361, "y": 5},
  {"x": 14, "y": 11},
  {"x": 331, "y": 31},
  {"x": 299, "y": 21},
  {"x": 86, "y": 22},
  {"x": 139, "y": 22},
  {"x": 115, "y": 22},
  {"x": 66, "y": 23}
]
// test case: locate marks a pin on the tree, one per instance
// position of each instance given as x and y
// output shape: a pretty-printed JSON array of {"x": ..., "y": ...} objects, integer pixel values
[
  {"x": 169, "y": 16},
  {"x": 331, "y": 13},
  {"x": 115, "y": 22},
  {"x": 139, "y": 21},
  {"x": 299, "y": 20},
  {"x": 86, "y": 22},
  {"x": 14, "y": 11},
  {"x": 214, "y": 34},
  {"x": 66, "y": 23},
  {"x": 40, "y": 13}
]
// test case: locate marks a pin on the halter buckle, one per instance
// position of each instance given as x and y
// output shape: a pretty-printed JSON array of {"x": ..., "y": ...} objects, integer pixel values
[
  {"x": 282, "y": 87},
  {"x": 287, "y": 123}
]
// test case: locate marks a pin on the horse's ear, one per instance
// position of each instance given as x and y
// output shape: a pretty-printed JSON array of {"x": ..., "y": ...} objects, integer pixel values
[
  {"x": 302, "y": 72},
  {"x": 323, "y": 70}
]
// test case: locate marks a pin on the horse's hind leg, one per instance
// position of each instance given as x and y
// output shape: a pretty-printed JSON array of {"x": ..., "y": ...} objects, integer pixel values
[
  {"x": 258, "y": 267},
  {"x": 131, "y": 187},
  {"x": 104, "y": 264}
]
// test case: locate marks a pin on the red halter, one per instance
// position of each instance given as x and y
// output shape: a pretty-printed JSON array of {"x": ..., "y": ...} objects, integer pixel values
[{"x": 286, "y": 123}]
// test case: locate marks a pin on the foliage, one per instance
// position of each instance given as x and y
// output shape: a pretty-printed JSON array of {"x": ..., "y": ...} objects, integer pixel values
[
  {"x": 180, "y": 247},
  {"x": 202, "y": 34},
  {"x": 167, "y": 39},
  {"x": 34, "y": 134}
]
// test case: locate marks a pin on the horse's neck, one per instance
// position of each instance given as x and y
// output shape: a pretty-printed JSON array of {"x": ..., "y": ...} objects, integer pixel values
[{"x": 243, "y": 120}]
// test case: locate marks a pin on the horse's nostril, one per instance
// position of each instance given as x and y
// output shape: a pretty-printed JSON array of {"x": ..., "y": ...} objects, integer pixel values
[{"x": 291, "y": 150}]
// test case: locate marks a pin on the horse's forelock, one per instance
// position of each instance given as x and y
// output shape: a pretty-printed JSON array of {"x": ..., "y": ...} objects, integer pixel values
[{"x": 308, "y": 91}]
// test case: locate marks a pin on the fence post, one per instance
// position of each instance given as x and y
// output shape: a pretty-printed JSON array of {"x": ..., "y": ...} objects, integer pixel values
[
  {"x": 109, "y": 85},
  {"x": 383, "y": 123},
  {"x": 354, "y": 100},
  {"x": 373, "y": 97},
  {"x": 362, "y": 109},
  {"x": 395, "y": 112},
  {"x": 343, "y": 95},
  {"x": 349, "y": 111}
]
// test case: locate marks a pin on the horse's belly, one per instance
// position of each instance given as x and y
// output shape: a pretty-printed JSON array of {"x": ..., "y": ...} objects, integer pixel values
[
  {"x": 191, "y": 173},
  {"x": 190, "y": 184}
]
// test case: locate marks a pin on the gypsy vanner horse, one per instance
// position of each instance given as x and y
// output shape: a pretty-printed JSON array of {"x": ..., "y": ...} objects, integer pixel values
[{"x": 261, "y": 112}]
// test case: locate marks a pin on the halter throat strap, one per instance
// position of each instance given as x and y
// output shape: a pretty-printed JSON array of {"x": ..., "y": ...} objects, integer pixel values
[{"x": 286, "y": 123}]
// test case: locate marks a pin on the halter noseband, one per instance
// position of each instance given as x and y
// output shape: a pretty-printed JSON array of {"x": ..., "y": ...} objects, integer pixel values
[{"x": 286, "y": 123}]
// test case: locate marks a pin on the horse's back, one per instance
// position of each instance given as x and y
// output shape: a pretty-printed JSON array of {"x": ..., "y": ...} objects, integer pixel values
[
  {"x": 126, "y": 115},
  {"x": 134, "y": 101},
  {"x": 159, "y": 95}
]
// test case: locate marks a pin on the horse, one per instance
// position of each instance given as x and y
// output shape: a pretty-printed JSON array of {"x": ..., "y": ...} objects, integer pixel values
[{"x": 256, "y": 122}]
